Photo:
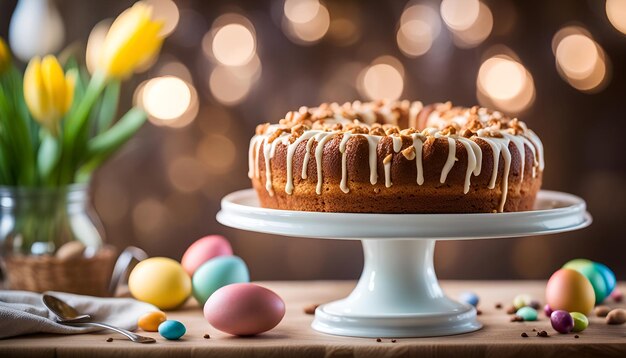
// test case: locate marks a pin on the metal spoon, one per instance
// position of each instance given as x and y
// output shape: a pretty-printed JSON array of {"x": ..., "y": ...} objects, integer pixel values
[{"x": 68, "y": 315}]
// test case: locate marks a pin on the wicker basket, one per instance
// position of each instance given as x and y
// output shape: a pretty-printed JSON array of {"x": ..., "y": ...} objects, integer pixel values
[{"x": 87, "y": 276}]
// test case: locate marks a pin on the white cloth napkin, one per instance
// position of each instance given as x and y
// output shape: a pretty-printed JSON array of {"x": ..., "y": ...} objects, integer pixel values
[{"x": 23, "y": 312}]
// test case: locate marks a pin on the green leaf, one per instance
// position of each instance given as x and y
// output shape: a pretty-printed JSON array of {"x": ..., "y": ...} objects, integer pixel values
[
  {"x": 48, "y": 156},
  {"x": 108, "y": 105},
  {"x": 102, "y": 146}
]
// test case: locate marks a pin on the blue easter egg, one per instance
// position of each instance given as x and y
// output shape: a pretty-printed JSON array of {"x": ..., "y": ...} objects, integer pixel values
[
  {"x": 217, "y": 273},
  {"x": 172, "y": 330},
  {"x": 608, "y": 275},
  {"x": 470, "y": 298}
]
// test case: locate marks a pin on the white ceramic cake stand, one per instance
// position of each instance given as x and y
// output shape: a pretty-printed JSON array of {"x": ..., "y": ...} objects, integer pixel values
[{"x": 398, "y": 294}]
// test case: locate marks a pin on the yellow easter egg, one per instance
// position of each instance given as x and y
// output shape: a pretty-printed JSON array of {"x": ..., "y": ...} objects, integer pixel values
[
  {"x": 570, "y": 291},
  {"x": 160, "y": 281},
  {"x": 150, "y": 321}
]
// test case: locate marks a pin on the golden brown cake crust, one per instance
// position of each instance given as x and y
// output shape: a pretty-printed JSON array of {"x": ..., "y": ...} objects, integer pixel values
[{"x": 398, "y": 189}]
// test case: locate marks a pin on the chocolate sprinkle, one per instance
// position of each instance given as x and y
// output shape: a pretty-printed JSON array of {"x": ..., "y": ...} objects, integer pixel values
[
  {"x": 393, "y": 341},
  {"x": 517, "y": 318},
  {"x": 479, "y": 312},
  {"x": 310, "y": 309},
  {"x": 109, "y": 339},
  {"x": 542, "y": 334},
  {"x": 534, "y": 330},
  {"x": 511, "y": 310},
  {"x": 207, "y": 336},
  {"x": 378, "y": 340},
  {"x": 576, "y": 336},
  {"x": 498, "y": 305},
  {"x": 524, "y": 335}
]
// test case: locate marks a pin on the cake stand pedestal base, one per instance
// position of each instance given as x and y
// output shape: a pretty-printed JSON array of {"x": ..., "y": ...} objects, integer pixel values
[{"x": 397, "y": 296}]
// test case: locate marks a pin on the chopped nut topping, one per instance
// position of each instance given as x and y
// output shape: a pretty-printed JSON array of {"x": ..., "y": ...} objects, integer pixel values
[
  {"x": 275, "y": 135},
  {"x": 388, "y": 159},
  {"x": 467, "y": 133},
  {"x": 448, "y": 130},
  {"x": 392, "y": 130},
  {"x": 377, "y": 131},
  {"x": 409, "y": 153},
  {"x": 408, "y": 131},
  {"x": 262, "y": 128}
]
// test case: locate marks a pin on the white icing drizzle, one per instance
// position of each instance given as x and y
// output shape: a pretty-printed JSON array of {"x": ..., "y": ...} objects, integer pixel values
[
  {"x": 472, "y": 161},
  {"x": 497, "y": 145},
  {"x": 387, "y": 174},
  {"x": 251, "y": 159},
  {"x": 397, "y": 143},
  {"x": 418, "y": 144},
  {"x": 534, "y": 139},
  {"x": 372, "y": 142},
  {"x": 450, "y": 161},
  {"x": 321, "y": 139},
  {"x": 519, "y": 144},
  {"x": 307, "y": 156},
  {"x": 343, "y": 185},
  {"x": 291, "y": 148}
]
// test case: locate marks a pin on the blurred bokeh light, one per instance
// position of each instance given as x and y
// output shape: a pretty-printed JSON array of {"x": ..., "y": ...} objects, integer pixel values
[
  {"x": 305, "y": 21},
  {"x": 460, "y": 15},
  {"x": 616, "y": 12},
  {"x": 168, "y": 100},
  {"x": 419, "y": 27},
  {"x": 383, "y": 79},
  {"x": 505, "y": 84}
]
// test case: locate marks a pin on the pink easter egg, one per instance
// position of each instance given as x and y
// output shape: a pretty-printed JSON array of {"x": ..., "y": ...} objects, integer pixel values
[
  {"x": 244, "y": 309},
  {"x": 203, "y": 250}
]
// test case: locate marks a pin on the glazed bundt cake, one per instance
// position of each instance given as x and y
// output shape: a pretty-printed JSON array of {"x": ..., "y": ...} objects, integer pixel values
[{"x": 396, "y": 157}]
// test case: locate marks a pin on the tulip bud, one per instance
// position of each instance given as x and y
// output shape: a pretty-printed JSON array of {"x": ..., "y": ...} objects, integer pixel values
[
  {"x": 48, "y": 92},
  {"x": 5, "y": 56},
  {"x": 133, "y": 41}
]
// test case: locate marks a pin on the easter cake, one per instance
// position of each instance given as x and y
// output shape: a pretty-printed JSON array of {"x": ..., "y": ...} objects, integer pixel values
[{"x": 396, "y": 157}]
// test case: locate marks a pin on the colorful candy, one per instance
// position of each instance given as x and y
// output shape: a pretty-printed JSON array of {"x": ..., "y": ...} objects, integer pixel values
[
  {"x": 150, "y": 321},
  {"x": 527, "y": 313},
  {"x": 580, "y": 321},
  {"x": 522, "y": 300},
  {"x": 570, "y": 291},
  {"x": 602, "y": 311},
  {"x": 562, "y": 321},
  {"x": 547, "y": 310},
  {"x": 172, "y": 330},
  {"x": 470, "y": 298}
]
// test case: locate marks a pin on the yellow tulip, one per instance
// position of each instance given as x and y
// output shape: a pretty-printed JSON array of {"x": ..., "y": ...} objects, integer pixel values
[
  {"x": 5, "y": 56},
  {"x": 133, "y": 40},
  {"x": 48, "y": 92}
]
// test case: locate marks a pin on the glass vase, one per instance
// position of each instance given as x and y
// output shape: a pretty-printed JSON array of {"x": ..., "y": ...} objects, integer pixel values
[{"x": 35, "y": 223}]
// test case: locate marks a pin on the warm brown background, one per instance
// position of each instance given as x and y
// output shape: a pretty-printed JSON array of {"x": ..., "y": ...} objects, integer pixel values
[{"x": 582, "y": 133}]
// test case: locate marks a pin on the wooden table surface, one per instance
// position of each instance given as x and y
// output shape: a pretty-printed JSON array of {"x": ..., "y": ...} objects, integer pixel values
[{"x": 294, "y": 337}]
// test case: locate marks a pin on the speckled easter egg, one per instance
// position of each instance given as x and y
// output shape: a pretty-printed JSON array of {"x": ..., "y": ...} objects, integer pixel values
[
  {"x": 203, "y": 250},
  {"x": 160, "y": 281},
  {"x": 217, "y": 273},
  {"x": 570, "y": 291},
  {"x": 244, "y": 309}
]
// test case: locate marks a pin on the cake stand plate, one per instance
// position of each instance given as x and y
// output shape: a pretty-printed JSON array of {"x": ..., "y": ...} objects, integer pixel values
[{"x": 398, "y": 294}]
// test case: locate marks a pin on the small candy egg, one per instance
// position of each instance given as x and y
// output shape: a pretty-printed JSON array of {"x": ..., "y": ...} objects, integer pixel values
[
  {"x": 203, "y": 250},
  {"x": 172, "y": 330},
  {"x": 244, "y": 309},
  {"x": 580, "y": 321},
  {"x": 150, "y": 321},
  {"x": 522, "y": 300},
  {"x": 160, "y": 281},
  {"x": 547, "y": 310},
  {"x": 608, "y": 275},
  {"x": 570, "y": 291},
  {"x": 562, "y": 321},
  {"x": 470, "y": 298},
  {"x": 527, "y": 313},
  {"x": 216, "y": 273},
  {"x": 617, "y": 295},
  {"x": 616, "y": 316}
]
